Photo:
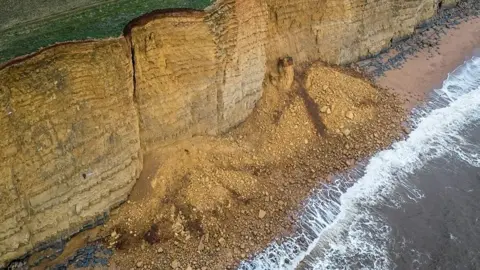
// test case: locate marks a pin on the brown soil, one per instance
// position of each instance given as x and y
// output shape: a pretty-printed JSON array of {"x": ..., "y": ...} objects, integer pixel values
[{"x": 207, "y": 203}]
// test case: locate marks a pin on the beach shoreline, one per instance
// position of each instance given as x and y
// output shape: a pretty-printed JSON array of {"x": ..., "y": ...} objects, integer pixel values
[
  {"x": 426, "y": 71},
  {"x": 414, "y": 67},
  {"x": 420, "y": 73}
]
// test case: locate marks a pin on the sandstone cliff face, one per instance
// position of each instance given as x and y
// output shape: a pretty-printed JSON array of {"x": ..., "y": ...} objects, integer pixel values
[
  {"x": 175, "y": 71},
  {"x": 70, "y": 141},
  {"x": 239, "y": 29},
  {"x": 340, "y": 32},
  {"x": 74, "y": 116},
  {"x": 198, "y": 73}
]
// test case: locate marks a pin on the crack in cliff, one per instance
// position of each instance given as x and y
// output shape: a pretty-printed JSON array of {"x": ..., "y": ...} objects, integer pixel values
[
  {"x": 128, "y": 38},
  {"x": 134, "y": 77}
]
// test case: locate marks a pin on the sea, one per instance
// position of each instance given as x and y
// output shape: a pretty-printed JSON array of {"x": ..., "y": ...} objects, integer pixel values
[{"x": 415, "y": 205}]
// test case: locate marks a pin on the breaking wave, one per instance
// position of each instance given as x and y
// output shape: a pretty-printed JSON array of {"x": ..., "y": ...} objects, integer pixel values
[{"x": 338, "y": 227}]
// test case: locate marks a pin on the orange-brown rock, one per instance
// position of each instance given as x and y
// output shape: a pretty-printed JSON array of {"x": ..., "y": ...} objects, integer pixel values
[
  {"x": 198, "y": 72},
  {"x": 175, "y": 75},
  {"x": 70, "y": 141},
  {"x": 340, "y": 32},
  {"x": 240, "y": 31}
]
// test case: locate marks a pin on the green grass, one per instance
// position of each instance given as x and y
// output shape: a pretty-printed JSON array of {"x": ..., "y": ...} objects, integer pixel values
[{"x": 101, "y": 21}]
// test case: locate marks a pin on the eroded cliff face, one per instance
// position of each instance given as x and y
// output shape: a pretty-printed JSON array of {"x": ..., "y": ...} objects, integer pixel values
[
  {"x": 239, "y": 29},
  {"x": 340, "y": 31},
  {"x": 175, "y": 71},
  {"x": 76, "y": 116},
  {"x": 198, "y": 73},
  {"x": 70, "y": 141}
]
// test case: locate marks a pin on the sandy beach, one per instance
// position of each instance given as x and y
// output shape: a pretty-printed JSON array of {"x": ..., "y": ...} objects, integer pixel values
[{"x": 428, "y": 68}]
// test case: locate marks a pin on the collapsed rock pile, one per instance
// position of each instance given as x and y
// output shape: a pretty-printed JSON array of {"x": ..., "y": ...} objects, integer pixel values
[
  {"x": 213, "y": 201},
  {"x": 207, "y": 203}
]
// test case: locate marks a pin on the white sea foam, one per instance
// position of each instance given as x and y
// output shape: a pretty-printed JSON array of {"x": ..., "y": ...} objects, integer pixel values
[{"x": 337, "y": 229}]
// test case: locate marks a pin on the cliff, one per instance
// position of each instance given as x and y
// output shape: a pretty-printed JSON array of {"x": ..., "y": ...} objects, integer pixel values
[
  {"x": 78, "y": 116},
  {"x": 70, "y": 145}
]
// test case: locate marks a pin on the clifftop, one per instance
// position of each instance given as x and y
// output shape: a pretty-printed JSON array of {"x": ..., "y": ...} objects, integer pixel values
[{"x": 30, "y": 25}]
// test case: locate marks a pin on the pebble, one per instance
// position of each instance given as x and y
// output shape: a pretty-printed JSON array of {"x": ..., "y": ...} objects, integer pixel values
[
  {"x": 349, "y": 115},
  {"x": 221, "y": 241},
  {"x": 346, "y": 132},
  {"x": 139, "y": 264},
  {"x": 261, "y": 214},
  {"x": 175, "y": 264},
  {"x": 159, "y": 250},
  {"x": 350, "y": 162}
]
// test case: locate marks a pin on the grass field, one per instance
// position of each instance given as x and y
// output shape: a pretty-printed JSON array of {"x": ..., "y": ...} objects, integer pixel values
[{"x": 27, "y": 33}]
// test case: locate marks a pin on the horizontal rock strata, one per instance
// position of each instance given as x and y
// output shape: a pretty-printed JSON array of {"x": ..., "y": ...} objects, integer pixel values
[{"x": 70, "y": 141}]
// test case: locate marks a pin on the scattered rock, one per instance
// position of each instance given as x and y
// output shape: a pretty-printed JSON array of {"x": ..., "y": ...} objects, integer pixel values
[
  {"x": 221, "y": 241},
  {"x": 151, "y": 236},
  {"x": 175, "y": 264},
  {"x": 261, "y": 214},
  {"x": 201, "y": 245},
  {"x": 405, "y": 129},
  {"x": 324, "y": 109},
  {"x": 346, "y": 132},
  {"x": 160, "y": 250},
  {"x": 139, "y": 264},
  {"x": 349, "y": 115},
  {"x": 350, "y": 162}
]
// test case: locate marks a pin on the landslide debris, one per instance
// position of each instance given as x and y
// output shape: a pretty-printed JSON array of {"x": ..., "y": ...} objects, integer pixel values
[{"x": 207, "y": 203}]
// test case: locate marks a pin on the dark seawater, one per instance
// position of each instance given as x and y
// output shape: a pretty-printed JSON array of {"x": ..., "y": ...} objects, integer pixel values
[
  {"x": 413, "y": 206},
  {"x": 442, "y": 230}
]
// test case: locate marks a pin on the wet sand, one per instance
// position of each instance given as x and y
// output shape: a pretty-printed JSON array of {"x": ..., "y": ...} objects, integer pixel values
[{"x": 425, "y": 71}]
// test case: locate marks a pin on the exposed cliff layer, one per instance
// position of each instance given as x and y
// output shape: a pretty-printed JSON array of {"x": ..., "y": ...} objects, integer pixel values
[
  {"x": 340, "y": 31},
  {"x": 75, "y": 114},
  {"x": 198, "y": 72},
  {"x": 175, "y": 74},
  {"x": 70, "y": 141}
]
